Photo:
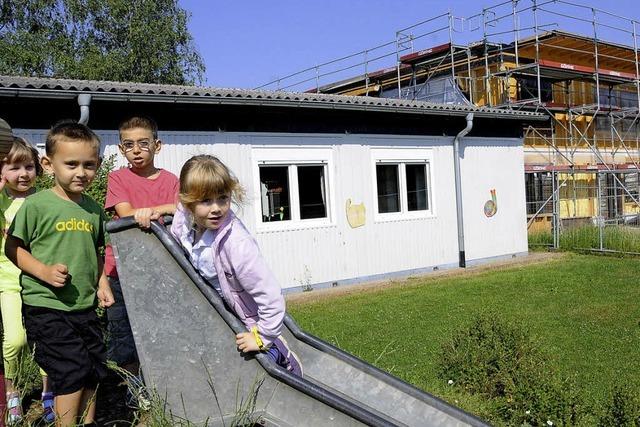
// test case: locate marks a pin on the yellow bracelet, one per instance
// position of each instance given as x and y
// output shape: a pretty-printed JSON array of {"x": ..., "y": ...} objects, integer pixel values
[{"x": 256, "y": 335}]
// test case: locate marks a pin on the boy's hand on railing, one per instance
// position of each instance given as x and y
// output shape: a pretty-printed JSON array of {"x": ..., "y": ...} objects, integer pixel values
[
  {"x": 55, "y": 275},
  {"x": 246, "y": 342},
  {"x": 144, "y": 216}
]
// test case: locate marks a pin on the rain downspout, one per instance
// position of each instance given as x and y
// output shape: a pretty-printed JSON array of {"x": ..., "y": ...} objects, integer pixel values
[
  {"x": 84, "y": 100},
  {"x": 456, "y": 166}
]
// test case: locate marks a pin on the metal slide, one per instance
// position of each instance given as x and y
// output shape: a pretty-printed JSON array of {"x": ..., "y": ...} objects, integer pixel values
[{"x": 185, "y": 337}]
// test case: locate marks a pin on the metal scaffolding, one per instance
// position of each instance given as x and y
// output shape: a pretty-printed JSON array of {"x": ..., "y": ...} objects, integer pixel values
[{"x": 583, "y": 166}]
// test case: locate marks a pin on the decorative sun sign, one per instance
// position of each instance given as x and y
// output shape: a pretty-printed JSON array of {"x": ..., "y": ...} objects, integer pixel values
[{"x": 491, "y": 206}]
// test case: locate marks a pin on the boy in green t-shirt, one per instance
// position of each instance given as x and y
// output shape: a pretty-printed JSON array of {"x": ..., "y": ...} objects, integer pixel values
[{"x": 54, "y": 239}]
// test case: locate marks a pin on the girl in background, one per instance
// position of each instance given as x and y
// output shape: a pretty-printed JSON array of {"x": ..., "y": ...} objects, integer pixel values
[{"x": 19, "y": 171}]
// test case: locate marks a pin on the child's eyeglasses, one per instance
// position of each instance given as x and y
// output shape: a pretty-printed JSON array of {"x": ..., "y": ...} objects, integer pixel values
[{"x": 143, "y": 144}]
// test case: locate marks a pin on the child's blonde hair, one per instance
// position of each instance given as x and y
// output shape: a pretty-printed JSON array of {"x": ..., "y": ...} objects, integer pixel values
[
  {"x": 22, "y": 151},
  {"x": 203, "y": 177}
]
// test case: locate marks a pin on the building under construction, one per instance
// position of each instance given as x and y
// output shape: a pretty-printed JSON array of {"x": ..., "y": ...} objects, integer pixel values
[{"x": 582, "y": 166}]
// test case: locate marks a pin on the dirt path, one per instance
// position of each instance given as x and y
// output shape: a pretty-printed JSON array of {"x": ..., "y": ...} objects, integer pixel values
[{"x": 321, "y": 294}]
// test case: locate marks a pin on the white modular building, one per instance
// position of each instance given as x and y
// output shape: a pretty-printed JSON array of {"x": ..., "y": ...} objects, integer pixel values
[{"x": 339, "y": 189}]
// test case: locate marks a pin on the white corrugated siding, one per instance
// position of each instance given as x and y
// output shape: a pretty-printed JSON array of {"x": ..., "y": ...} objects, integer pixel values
[
  {"x": 338, "y": 252},
  {"x": 493, "y": 164}
]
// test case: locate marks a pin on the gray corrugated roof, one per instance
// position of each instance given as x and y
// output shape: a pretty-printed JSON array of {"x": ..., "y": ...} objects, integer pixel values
[{"x": 147, "y": 92}]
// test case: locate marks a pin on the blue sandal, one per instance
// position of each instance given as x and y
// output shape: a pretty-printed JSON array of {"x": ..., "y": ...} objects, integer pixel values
[{"x": 48, "y": 411}]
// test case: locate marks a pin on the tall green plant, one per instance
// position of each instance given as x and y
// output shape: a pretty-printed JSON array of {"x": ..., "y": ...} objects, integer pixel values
[
  {"x": 614, "y": 237},
  {"x": 540, "y": 240}
]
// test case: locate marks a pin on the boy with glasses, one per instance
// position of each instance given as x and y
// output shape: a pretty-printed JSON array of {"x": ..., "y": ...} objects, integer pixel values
[{"x": 145, "y": 192}]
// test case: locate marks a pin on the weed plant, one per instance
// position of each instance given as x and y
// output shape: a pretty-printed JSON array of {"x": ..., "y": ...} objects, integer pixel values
[
  {"x": 500, "y": 360},
  {"x": 153, "y": 410},
  {"x": 28, "y": 378},
  {"x": 623, "y": 407}
]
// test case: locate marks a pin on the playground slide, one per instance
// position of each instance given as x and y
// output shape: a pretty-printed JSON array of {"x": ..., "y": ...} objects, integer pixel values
[{"x": 185, "y": 340}]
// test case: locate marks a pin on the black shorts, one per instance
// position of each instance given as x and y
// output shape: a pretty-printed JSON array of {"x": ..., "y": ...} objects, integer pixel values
[{"x": 68, "y": 346}]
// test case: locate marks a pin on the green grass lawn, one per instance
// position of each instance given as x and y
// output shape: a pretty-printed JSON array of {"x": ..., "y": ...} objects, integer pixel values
[{"x": 583, "y": 310}]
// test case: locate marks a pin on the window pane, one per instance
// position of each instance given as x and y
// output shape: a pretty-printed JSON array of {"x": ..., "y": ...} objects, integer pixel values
[
  {"x": 417, "y": 199},
  {"x": 274, "y": 193},
  {"x": 311, "y": 188},
  {"x": 388, "y": 188}
]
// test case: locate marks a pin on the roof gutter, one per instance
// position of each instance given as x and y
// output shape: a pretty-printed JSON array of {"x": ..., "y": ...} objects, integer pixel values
[
  {"x": 458, "y": 182},
  {"x": 84, "y": 101},
  {"x": 260, "y": 101}
]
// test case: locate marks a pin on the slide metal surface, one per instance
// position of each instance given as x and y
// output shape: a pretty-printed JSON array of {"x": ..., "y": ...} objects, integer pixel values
[{"x": 185, "y": 338}]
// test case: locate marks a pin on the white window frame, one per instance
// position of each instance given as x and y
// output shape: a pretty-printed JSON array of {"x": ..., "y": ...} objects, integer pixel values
[
  {"x": 292, "y": 157},
  {"x": 402, "y": 157}
]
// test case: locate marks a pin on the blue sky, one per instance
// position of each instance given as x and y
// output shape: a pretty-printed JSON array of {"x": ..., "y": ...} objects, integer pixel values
[{"x": 247, "y": 43}]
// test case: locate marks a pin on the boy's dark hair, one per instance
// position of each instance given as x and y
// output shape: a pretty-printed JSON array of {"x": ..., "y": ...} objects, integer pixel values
[
  {"x": 70, "y": 129},
  {"x": 143, "y": 122}
]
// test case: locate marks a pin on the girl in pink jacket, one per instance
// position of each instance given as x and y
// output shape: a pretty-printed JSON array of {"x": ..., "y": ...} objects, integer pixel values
[{"x": 227, "y": 256}]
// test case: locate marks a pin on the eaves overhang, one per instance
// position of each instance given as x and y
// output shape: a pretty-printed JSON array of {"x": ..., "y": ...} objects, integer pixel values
[{"x": 38, "y": 87}]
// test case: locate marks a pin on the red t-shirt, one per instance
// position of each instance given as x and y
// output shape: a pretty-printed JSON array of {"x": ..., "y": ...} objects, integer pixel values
[{"x": 125, "y": 186}]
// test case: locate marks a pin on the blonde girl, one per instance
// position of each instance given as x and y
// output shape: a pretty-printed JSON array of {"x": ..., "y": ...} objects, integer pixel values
[
  {"x": 227, "y": 256},
  {"x": 18, "y": 173}
]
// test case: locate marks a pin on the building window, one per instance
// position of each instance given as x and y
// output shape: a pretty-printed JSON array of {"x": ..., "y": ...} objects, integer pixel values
[
  {"x": 312, "y": 192},
  {"x": 402, "y": 180},
  {"x": 417, "y": 197},
  {"x": 274, "y": 187},
  {"x": 275, "y": 192},
  {"x": 293, "y": 187},
  {"x": 388, "y": 188}
]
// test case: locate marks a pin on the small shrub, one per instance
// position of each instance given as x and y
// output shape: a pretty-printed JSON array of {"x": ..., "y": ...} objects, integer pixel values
[
  {"x": 500, "y": 361},
  {"x": 486, "y": 356},
  {"x": 622, "y": 409},
  {"x": 540, "y": 397}
]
